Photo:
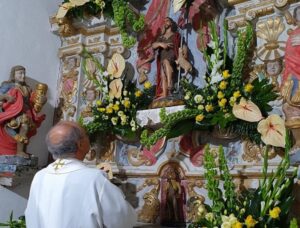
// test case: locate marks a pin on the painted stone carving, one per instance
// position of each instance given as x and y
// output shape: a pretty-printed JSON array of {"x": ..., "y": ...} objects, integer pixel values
[{"x": 19, "y": 108}]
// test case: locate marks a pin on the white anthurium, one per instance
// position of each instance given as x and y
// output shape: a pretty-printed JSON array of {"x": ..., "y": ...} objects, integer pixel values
[
  {"x": 115, "y": 89},
  {"x": 247, "y": 110},
  {"x": 116, "y": 65},
  {"x": 272, "y": 131},
  {"x": 64, "y": 8},
  {"x": 177, "y": 5}
]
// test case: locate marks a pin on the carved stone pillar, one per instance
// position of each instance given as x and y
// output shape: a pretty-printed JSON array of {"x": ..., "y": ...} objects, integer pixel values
[{"x": 100, "y": 37}]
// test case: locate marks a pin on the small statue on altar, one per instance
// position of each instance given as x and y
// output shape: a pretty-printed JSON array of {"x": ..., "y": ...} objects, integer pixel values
[
  {"x": 90, "y": 95},
  {"x": 273, "y": 69},
  {"x": 172, "y": 199},
  {"x": 290, "y": 86},
  {"x": 18, "y": 116},
  {"x": 169, "y": 54}
]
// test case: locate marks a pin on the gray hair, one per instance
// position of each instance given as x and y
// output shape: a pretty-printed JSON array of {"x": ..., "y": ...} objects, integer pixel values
[{"x": 66, "y": 146}]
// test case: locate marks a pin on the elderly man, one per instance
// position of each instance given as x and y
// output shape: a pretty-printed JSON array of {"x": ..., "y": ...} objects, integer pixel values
[{"x": 69, "y": 194}]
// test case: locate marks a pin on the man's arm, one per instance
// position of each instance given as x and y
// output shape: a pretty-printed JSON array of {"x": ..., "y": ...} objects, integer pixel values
[{"x": 116, "y": 211}]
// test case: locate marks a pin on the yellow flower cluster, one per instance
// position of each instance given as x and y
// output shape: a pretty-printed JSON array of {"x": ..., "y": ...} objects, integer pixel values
[
  {"x": 250, "y": 221},
  {"x": 199, "y": 117},
  {"x": 138, "y": 93},
  {"x": 226, "y": 74},
  {"x": 223, "y": 85},
  {"x": 222, "y": 102},
  {"x": 248, "y": 88},
  {"x": 237, "y": 225},
  {"x": 274, "y": 213},
  {"x": 147, "y": 85},
  {"x": 209, "y": 107}
]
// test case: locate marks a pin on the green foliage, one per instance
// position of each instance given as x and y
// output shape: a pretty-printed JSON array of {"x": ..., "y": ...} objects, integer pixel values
[
  {"x": 274, "y": 193},
  {"x": 294, "y": 223},
  {"x": 170, "y": 126},
  {"x": 125, "y": 18},
  {"x": 11, "y": 223},
  {"x": 263, "y": 93},
  {"x": 128, "y": 22},
  {"x": 212, "y": 185},
  {"x": 244, "y": 43}
]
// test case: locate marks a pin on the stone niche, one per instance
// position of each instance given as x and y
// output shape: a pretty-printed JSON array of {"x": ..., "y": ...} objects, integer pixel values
[{"x": 143, "y": 180}]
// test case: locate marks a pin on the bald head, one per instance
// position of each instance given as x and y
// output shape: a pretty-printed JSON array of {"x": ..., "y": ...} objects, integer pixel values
[{"x": 64, "y": 138}]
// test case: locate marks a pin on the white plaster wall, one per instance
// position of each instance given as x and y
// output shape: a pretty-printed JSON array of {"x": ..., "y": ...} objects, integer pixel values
[
  {"x": 10, "y": 201},
  {"x": 26, "y": 40}
]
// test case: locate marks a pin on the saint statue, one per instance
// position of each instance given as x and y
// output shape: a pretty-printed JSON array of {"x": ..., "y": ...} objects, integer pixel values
[
  {"x": 169, "y": 53},
  {"x": 172, "y": 198},
  {"x": 18, "y": 112},
  {"x": 290, "y": 85}
]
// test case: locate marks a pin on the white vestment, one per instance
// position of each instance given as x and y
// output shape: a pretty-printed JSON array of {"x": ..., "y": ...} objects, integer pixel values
[{"x": 68, "y": 194}]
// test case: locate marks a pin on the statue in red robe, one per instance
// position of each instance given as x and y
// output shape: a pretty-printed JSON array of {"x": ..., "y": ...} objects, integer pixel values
[
  {"x": 290, "y": 86},
  {"x": 18, "y": 112}
]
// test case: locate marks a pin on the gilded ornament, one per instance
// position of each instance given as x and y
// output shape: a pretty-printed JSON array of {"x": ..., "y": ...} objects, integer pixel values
[{"x": 150, "y": 210}]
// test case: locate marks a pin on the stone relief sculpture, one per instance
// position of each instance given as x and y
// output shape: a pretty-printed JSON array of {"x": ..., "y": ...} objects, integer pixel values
[
  {"x": 272, "y": 51},
  {"x": 150, "y": 210},
  {"x": 195, "y": 203},
  {"x": 19, "y": 110}
]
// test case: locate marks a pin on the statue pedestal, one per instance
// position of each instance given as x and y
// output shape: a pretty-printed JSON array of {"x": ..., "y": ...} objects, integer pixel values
[
  {"x": 13, "y": 169},
  {"x": 150, "y": 117}
]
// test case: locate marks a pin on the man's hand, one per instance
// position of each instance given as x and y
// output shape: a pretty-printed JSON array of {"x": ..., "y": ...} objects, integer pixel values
[
  {"x": 106, "y": 167},
  {"x": 166, "y": 45}
]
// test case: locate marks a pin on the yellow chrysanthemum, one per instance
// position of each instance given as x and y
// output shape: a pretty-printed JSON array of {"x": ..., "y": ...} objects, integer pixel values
[
  {"x": 127, "y": 104},
  {"x": 250, "y": 221},
  {"x": 109, "y": 110},
  {"x": 209, "y": 108},
  {"x": 99, "y": 102},
  {"x": 237, "y": 225},
  {"x": 237, "y": 94},
  {"x": 147, "y": 85},
  {"x": 222, "y": 102},
  {"x": 116, "y": 107},
  {"x": 138, "y": 93},
  {"x": 220, "y": 95},
  {"x": 101, "y": 109},
  {"x": 232, "y": 101},
  {"x": 223, "y": 85},
  {"x": 226, "y": 74},
  {"x": 274, "y": 213},
  {"x": 199, "y": 117},
  {"x": 248, "y": 88}
]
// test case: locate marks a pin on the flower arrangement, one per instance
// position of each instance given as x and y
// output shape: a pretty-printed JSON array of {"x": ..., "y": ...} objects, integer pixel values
[
  {"x": 119, "y": 10},
  {"x": 266, "y": 206},
  {"x": 115, "y": 111},
  {"x": 226, "y": 93}
]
